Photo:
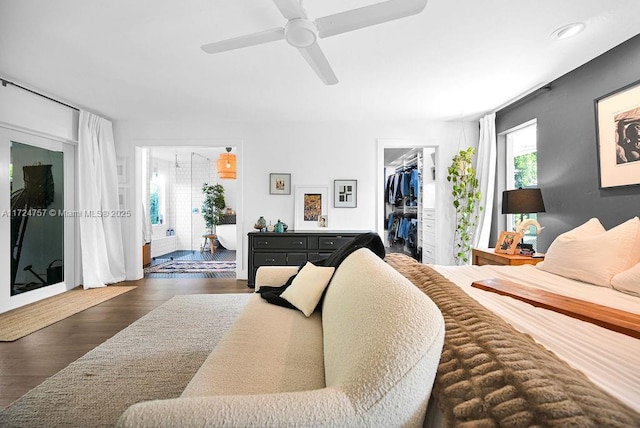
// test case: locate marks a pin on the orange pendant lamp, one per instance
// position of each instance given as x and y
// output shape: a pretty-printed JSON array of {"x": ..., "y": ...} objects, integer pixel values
[{"x": 226, "y": 164}]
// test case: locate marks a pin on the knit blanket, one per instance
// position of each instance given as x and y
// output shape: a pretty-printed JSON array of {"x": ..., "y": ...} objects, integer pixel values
[{"x": 491, "y": 375}]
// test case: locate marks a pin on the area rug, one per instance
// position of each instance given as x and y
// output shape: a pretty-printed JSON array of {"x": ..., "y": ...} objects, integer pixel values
[
  {"x": 153, "y": 358},
  {"x": 22, "y": 321},
  {"x": 191, "y": 266}
]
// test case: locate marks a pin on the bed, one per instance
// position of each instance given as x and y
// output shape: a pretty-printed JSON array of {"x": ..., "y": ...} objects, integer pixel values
[{"x": 590, "y": 377}]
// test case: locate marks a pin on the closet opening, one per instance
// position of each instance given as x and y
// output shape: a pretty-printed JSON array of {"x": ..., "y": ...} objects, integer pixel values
[{"x": 409, "y": 201}]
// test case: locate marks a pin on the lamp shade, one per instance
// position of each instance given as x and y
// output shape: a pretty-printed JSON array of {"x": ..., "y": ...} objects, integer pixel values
[
  {"x": 226, "y": 165},
  {"x": 522, "y": 201}
]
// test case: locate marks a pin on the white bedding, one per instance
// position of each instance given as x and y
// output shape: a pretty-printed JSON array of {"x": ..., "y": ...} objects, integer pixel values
[{"x": 611, "y": 360}]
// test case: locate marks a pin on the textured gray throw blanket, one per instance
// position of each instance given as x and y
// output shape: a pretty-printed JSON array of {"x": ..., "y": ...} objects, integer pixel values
[{"x": 491, "y": 375}]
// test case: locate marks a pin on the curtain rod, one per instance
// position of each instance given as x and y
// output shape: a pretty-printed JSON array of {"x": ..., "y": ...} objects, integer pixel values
[{"x": 6, "y": 82}]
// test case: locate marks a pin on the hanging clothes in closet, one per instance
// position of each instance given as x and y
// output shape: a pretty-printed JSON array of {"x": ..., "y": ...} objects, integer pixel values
[{"x": 402, "y": 192}]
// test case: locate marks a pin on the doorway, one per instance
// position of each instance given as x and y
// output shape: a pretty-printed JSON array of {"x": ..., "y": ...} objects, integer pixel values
[
  {"x": 181, "y": 244},
  {"x": 407, "y": 189}
]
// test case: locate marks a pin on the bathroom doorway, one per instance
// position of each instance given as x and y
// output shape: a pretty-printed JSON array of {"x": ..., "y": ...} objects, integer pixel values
[{"x": 181, "y": 244}]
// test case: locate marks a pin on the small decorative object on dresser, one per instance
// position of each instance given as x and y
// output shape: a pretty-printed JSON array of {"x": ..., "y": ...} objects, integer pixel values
[{"x": 488, "y": 256}]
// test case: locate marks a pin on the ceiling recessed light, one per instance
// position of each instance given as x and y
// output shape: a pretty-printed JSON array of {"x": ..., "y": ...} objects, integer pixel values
[{"x": 568, "y": 30}]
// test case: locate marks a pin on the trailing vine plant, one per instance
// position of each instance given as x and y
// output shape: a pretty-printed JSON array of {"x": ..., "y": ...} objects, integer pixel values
[
  {"x": 466, "y": 198},
  {"x": 213, "y": 205}
]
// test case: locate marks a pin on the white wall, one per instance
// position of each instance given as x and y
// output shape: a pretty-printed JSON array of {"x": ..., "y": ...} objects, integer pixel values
[{"x": 315, "y": 153}]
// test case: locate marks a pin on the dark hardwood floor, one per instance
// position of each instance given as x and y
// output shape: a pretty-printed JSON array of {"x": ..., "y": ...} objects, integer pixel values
[{"x": 28, "y": 361}]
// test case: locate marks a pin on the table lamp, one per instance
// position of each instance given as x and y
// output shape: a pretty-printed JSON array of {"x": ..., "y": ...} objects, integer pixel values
[{"x": 523, "y": 201}]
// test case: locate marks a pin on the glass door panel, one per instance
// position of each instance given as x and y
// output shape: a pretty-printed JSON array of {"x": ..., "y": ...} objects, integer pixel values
[
  {"x": 38, "y": 218},
  {"x": 36, "y": 179}
]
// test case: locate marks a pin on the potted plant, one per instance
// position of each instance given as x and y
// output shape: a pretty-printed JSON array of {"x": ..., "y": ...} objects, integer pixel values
[
  {"x": 466, "y": 196},
  {"x": 213, "y": 205}
]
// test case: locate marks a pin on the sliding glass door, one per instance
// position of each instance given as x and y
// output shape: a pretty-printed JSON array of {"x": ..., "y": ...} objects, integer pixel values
[{"x": 37, "y": 217}]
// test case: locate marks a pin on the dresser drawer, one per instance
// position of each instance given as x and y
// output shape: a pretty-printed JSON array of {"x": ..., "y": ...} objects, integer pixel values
[
  {"x": 428, "y": 254},
  {"x": 269, "y": 259},
  {"x": 332, "y": 242},
  {"x": 281, "y": 242},
  {"x": 296, "y": 259},
  {"x": 429, "y": 228},
  {"x": 314, "y": 257}
]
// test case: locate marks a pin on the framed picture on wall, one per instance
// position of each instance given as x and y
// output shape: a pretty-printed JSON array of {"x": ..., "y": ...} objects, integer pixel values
[
  {"x": 121, "y": 170},
  {"x": 618, "y": 136},
  {"x": 507, "y": 242},
  {"x": 311, "y": 203},
  {"x": 279, "y": 184},
  {"x": 345, "y": 193}
]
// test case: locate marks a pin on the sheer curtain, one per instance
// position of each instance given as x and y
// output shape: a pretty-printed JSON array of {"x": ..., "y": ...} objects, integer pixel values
[
  {"x": 100, "y": 236},
  {"x": 486, "y": 171}
]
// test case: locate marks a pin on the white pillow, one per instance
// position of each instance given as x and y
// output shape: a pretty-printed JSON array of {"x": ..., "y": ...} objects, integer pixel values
[
  {"x": 628, "y": 281},
  {"x": 590, "y": 255},
  {"x": 307, "y": 287}
]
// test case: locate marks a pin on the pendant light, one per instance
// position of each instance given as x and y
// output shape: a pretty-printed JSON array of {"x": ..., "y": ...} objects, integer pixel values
[{"x": 226, "y": 164}]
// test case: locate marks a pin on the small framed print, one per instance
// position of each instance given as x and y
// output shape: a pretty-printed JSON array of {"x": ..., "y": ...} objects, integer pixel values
[
  {"x": 345, "y": 193},
  {"x": 323, "y": 221},
  {"x": 121, "y": 170},
  {"x": 507, "y": 242},
  {"x": 122, "y": 198},
  {"x": 279, "y": 184}
]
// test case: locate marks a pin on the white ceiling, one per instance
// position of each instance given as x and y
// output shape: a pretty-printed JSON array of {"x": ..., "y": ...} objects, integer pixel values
[{"x": 141, "y": 59}]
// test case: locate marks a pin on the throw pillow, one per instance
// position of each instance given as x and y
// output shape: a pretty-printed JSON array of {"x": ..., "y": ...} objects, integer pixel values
[
  {"x": 307, "y": 287},
  {"x": 628, "y": 281},
  {"x": 590, "y": 255}
]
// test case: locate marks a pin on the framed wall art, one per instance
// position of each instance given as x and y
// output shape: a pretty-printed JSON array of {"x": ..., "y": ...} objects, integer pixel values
[
  {"x": 279, "y": 184},
  {"x": 618, "y": 136},
  {"x": 311, "y": 203},
  {"x": 345, "y": 193},
  {"x": 121, "y": 169},
  {"x": 507, "y": 242}
]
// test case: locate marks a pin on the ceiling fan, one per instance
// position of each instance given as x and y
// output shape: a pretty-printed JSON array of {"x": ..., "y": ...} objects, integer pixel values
[{"x": 302, "y": 33}]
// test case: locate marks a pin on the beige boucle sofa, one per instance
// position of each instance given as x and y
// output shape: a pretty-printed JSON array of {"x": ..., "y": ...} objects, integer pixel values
[{"x": 368, "y": 359}]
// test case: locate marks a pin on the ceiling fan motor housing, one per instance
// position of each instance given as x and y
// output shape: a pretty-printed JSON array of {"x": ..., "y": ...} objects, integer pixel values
[{"x": 300, "y": 33}]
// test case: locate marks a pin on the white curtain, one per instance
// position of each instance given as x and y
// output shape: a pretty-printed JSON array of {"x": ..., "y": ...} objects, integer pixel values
[
  {"x": 486, "y": 172},
  {"x": 100, "y": 236}
]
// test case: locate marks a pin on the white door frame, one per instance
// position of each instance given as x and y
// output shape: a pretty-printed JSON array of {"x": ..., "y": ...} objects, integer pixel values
[
  {"x": 71, "y": 261},
  {"x": 241, "y": 267}
]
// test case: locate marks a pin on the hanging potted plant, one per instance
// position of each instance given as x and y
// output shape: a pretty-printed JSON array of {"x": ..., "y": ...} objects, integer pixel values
[
  {"x": 466, "y": 196},
  {"x": 213, "y": 205}
]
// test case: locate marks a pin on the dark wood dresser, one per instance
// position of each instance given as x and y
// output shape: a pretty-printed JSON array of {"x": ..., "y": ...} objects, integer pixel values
[{"x": 293, "y": 248}]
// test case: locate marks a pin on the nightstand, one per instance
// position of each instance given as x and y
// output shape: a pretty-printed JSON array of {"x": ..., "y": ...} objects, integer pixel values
[{"x": 489, "y": 257}]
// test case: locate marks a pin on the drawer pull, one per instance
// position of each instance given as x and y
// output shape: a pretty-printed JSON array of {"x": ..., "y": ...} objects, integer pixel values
[
  {"x": 270, "y": 260},
  {"x": 296, "y": 243},
  {"x": 262, "y": 242},
  {"x": 330, "y": 242}
]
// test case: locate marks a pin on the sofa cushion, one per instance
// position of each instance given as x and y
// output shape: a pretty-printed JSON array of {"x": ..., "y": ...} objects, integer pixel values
[
  {"x": 307, "y": 287},
  {"x": 268, "y": 349}
]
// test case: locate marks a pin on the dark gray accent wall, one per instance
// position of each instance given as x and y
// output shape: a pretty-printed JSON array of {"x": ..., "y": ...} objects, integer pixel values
[{"x": 567, "y": 149}]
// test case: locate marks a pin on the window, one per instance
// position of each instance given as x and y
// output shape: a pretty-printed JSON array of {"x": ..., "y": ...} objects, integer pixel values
[
  {"x": 522, "y": 169},
  {"x": 157, "y": 198}
]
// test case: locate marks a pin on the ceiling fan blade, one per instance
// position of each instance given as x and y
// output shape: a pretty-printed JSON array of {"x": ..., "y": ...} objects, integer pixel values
[
  {"x": 316, "y": 59},
  {"x": 290, "y": 9},
  {"x": 243, "y": 41},
  {"x": 368, "y": 15}
]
